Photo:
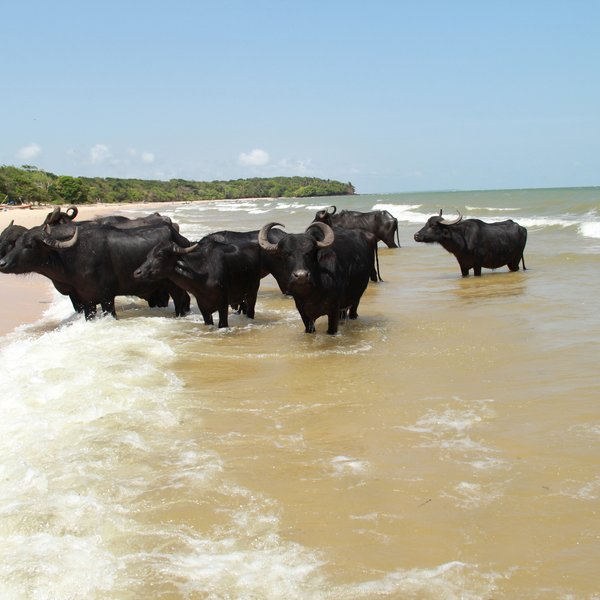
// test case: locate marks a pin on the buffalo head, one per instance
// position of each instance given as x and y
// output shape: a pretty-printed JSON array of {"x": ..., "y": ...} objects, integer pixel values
[
  {"x": 33, "y": 247},
  {"x": 298, "y": 253},
  {"x": 436, "y": 229},
  {"x": 324, "y": 216},
  {"x": 161, "y": 261}
]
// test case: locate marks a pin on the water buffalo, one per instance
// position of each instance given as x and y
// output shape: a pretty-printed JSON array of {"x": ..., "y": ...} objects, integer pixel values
[
  {"x": 382, "y": 224},
  {"x": 57, "y": 217},
  {"x": 326, "y": 272},
  {"x": 476, "y": 244},
  {"x": 93, "y": 264},
  {"x": 217, "y": 273}
]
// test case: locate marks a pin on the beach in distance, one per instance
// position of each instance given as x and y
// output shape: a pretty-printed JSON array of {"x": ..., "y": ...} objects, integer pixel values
[{"x": 443, "y": 445}]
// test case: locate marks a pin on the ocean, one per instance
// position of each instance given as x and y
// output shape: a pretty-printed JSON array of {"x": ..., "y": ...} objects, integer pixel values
[{"x": 445, "y": 445}]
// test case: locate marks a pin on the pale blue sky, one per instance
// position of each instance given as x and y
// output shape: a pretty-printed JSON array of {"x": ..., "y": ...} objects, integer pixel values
[{"x": 391, "y": 95}]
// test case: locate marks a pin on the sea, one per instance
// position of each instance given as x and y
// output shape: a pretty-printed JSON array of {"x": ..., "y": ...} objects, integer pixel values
[{"x": 445, "y": 445}]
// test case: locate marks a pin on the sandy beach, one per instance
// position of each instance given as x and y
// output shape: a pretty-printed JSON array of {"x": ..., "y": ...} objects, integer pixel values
[{"x": 24, "y": 298}]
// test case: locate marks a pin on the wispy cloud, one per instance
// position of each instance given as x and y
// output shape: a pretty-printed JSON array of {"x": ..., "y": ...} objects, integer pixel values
[
  {"x": 147, "y": 158},
  {"x": 29, "y": 152},
  {"x": 254, "y": 158},
  {"x": 100, "y": 154},
  {"x": 296, "y": 166}
]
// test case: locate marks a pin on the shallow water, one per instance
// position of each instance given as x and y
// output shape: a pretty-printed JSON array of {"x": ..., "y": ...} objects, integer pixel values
[{"x": 444, "y": 445}]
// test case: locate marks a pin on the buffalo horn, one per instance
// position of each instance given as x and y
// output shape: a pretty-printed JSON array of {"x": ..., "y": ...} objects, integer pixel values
[
  {"x": 331, "y": 212},
  {"x": 328, "y": 235},
  {"x": 54, "y": 216},
  {"x": 58, "y": 244},
  {"x": 263, "y": 237},
  {"x": 451, "y": 221},
  {"x": 11, "y": 223},
  {"x": 74, "y": 211},
  {"x": 181, "y": 250}
]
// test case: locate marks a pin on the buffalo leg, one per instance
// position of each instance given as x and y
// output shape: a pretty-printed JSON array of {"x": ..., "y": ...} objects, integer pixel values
[
  {"x": 89, "y": 310},
  {"x": 477, "y": 270},
  {"x": 77, "y": 305},
  {"x": 108, "y": 307},
  {"x": 309, "y": 324},
  {"x": 332, "y": 321},
  {"x": 251, "y": 301},
  {"x": 181, "y": 300},
  {"x": 223, "y": 314},
  {"x": 206, "y": 315}
]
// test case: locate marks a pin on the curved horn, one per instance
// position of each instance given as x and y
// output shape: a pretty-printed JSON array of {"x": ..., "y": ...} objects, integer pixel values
[
  {"x": 53, "y": 217},
  {"x": 11, "y": 223},
  {"x": 58, "y": 244},
  {"x": 263, "y": 237},
  {"x": 451, "y": 221},
  {"x": 74, "y": 212},
  {"x": 328, "y": 235},
  {"x": 181, "y": 250},
  {"x": 333, "y": 211}
]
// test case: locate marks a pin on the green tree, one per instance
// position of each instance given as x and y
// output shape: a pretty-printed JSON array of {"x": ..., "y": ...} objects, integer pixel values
[{"x": 72, "y": 190}]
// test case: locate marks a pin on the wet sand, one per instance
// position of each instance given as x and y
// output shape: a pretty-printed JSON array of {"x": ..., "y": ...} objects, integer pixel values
[{"x": 24, "y": 298}]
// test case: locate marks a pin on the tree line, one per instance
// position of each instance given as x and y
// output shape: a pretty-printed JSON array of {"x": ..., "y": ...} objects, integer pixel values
[{"x": 28, "y": 184}]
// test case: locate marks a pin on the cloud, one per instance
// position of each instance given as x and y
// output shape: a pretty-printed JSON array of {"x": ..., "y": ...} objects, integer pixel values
[
  {"x": 147, "y": 158},
  {"x": 296, "y": 166},
  {"x": 29, "y": 152},
  {"x": 99, "y": 154},
  {"x": 254, "y": 158}
]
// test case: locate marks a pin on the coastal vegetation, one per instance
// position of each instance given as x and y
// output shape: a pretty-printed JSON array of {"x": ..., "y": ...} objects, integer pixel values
[{"x": 28, "y": 184}]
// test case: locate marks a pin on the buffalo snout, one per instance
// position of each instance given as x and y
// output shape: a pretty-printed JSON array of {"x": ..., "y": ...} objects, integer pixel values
[
  {"x": 300, "y": 276},
  {"x": 139, "y": 273}
]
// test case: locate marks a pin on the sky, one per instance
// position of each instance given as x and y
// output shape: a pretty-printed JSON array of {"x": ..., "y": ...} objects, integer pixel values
[{"x": 392, "y": 96}]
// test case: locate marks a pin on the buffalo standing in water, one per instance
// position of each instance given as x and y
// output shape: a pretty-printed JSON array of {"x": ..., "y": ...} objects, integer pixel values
[
  {"x": 476, "y": 244},
  {"x": 217, "y": 273},
  {"x": 326, "y": 272},
  {"x": 382, "y": 224},
  {"x": 92, "y": 264}
]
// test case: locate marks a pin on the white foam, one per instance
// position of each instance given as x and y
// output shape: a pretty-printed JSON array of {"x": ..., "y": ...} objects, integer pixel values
[
  {"x": 590, "y": 229},
  {"x": 589, "y": 490},
  {"x": 454, "y": 580},
  {"x": 469, "y": 495},
  {"x": 345, "y": 465},
  {"x": 404, "y": 212},
  {"x": 491, "y": 208}
]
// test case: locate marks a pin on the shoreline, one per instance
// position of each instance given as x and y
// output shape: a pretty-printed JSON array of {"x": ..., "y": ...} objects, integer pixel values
[{"x": 25, "y": 298}]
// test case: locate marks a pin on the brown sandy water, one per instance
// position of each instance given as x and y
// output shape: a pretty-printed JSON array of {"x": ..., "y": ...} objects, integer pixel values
[{"x": 444, "y": 445}]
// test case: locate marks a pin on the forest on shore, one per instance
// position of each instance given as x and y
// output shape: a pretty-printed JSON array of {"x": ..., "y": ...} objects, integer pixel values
[{"x": 30, "y": 185}]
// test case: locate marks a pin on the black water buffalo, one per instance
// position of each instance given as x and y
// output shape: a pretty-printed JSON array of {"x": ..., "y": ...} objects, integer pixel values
[
  {"x": 93, "y": 264},
  {"x": 57, "y": 217},
  {"x": 476, "y": 244},
  {"x": 382, "y": 224},
  {"x": 216, "y": 272},
  {"x": 8, "y": 238},
  {"x": 325, "y": 271}
]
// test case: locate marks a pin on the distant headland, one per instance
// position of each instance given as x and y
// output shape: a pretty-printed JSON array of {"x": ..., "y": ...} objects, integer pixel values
[{"x": 30, "y": 185}]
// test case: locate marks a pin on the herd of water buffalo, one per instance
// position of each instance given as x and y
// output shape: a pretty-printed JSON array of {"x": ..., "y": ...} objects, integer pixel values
[{"x": 326, "y": 269}]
